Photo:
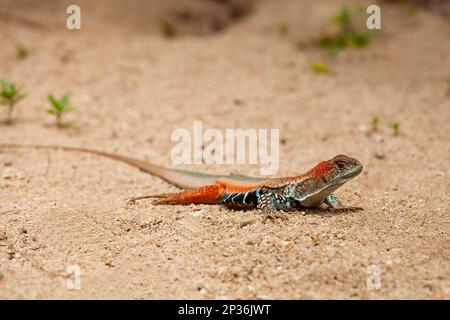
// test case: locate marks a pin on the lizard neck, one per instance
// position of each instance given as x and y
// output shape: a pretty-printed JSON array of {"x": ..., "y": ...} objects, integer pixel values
[{"x": 316, "y": 197}]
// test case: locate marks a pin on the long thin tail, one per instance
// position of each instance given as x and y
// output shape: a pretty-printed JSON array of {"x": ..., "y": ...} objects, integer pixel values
[{"x": 181, "y": 178}]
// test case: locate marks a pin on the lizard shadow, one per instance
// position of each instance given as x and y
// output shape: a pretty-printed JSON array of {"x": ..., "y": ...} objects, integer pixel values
[
  {"x": 329, "y": 212},
  {"x": 319, "y": 211}
]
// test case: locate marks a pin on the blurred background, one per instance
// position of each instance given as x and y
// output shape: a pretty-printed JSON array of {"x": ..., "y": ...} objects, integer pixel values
[{"x": 138, "y": 70}]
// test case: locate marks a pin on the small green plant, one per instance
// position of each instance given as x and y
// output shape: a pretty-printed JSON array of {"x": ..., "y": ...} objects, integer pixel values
[
  {"x": 332, "y": 43},
  {"x": 395, "y": 126},
  {"x": 412, "y": 9},
  {"x": 21, "y": 51},
  {"x": 319, "y": 67},
  {"x": 358, "y": 39},
  {"x": 283, "y": 28},
  {"x": 343, "y": 18},
  {"x": 374, "y": 123},
  {"x": 447, "y": 80},
  {"x": 9, "y": 96},
  {"x": 58, "y": 108},
  {"x": 347, "y": 36}
]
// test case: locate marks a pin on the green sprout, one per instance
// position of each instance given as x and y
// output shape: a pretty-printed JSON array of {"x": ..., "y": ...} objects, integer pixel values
[
  {"x": 21, "y": 51},
  {"x": 319, "y": 67},
  {"x": 395, "y": 126},
  {"x": 447, "y": 80},
  {"x": 343, "y": 18},
  {"x": 374, "y": 123},
  {"x": 58, "y": 108},
  {"x": 283, "y": 28},
  {"x": 347, "y": 36},
  {"x": 9, "y": 96},
  {"x": 358, "y": 39},
  {"x": 412, "y": 9},
  {"x": 332, "y": 43}
]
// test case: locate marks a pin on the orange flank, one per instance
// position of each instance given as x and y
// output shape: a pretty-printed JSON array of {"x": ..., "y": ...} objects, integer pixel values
[{"x": 211, "y": 194}]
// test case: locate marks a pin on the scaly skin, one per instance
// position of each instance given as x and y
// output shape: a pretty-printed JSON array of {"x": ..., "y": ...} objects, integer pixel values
[{"x": 308, "y": 190}]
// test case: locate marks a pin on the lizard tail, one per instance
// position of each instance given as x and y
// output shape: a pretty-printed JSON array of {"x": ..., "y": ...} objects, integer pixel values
[
  {"x": 212, "y": 194},
  {"x": 180, "y": 178}
]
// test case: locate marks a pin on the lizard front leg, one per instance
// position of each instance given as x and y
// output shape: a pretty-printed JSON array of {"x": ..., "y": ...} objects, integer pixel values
[
  {"x": 333, "y": 202},
  {"x": 270, "y": 202}
]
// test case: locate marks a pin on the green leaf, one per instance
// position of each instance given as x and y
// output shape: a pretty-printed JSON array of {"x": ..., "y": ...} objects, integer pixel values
[
  {"x": 375, "y": 121},
  {"x": 395, "y": 126},
  {"x": 447, "y": 80},
  {"x": 63, "y": 101},
  {"x": 283, "y": 28},
  {"x": 358, "y": 39},
  {"x": 8, "y": 89},
  {"x": 330, "y": 43},
  {"x": 10, "y": 93},
  {"x": 54, "y": 102},
  {"x": 21, "y": 51},
  {"x": 343, "y": 17},
  {"x": 319, "y": 67},
  {"x": 5, "y": 84},
  {"x": 51, "y": 111}
]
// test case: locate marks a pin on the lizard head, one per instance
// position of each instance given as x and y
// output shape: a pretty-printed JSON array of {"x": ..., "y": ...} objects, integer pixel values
[
  {"x": 337, "y": 170},
  {"x": 324, "y": 178}
]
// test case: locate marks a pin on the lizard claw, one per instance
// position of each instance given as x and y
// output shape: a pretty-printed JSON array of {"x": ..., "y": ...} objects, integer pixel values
[{"x": 132, "y": 201}]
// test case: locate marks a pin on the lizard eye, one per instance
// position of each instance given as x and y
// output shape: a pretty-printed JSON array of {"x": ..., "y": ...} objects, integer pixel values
[{"x": 340, "y": 165}]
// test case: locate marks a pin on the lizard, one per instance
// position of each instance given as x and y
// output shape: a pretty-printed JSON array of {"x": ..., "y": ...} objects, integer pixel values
[{"x": 269, "y": 195}]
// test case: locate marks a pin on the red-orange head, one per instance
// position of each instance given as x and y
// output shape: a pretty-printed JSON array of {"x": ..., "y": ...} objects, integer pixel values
[{"x": 337, "y": 170}]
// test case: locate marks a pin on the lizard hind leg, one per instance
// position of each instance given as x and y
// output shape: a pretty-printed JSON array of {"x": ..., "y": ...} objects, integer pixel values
[
  {"x": 268, "y": 205},
  {"x": 204, "y": 195}
]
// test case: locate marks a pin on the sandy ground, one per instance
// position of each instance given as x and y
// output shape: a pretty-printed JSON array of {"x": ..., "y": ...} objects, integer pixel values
[{"x": 132, "y": 88}]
